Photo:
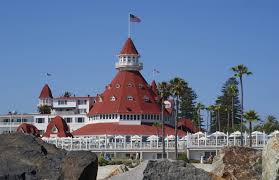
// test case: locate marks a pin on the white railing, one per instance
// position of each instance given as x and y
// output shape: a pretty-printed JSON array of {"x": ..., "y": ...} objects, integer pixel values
[{"x": 112, "y": 143}]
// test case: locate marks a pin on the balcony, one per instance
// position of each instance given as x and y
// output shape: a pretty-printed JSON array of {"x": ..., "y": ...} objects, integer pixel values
[{"x": 129, "y": 66}]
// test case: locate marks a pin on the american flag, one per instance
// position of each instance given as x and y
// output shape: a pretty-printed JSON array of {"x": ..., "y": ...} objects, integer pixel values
[
  {"x": 134, "y": 18},
  {"x": 156, "y": 71},
  {"x": 48, "y": 74}
]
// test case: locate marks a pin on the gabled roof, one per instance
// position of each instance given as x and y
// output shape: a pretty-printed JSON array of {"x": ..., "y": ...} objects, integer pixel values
[
  {"x": 46, "y": 92},
  {"x": 61, "y": 126},
  {"x": 129, "y": 48},
  {"x": 115, "y": 98},
  {"x": 188, "y": 125},
  {"x": 121, "y": 129},
  {"x": 28, "y": 129}
]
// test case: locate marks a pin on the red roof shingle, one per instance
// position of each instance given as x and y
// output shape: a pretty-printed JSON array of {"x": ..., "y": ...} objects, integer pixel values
[
  {"x": 125, "y": 84},
  {"x": 46, "y": 92},
  {"x": 129, "y": 48},
  {"x": 121, "y": 129}
]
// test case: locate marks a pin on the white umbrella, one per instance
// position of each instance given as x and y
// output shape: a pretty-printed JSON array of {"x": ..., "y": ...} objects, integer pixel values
[
  {"x": 235, "y": 134},
  {"x": 136, "y": 138},
  {"x": 203, "y": 138},
  {"x": 198, "y": 134},
  {"x": 275, "y": 133},
  {"x": 152, "y": 138},
  {"x": 183, "y": 138},
  {"x": 170, "y": 138},
  {"x": 119, "y": 137},
  {"x": 218, "y": 134},
  {"x": 257, "y": 133}
]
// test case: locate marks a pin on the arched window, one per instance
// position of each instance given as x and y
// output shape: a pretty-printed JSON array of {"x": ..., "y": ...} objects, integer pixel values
[
  {"x": 117, "y": 85},
  {"x": 130, "y": 85},
  {"x": 112, "y": 98},
  {"x": 146, "y": 98},
  {"x": 54, "y": 129},
  {"x": 130, "y": 98}
]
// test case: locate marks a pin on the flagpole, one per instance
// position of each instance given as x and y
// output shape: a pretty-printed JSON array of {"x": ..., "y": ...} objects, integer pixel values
[{"x": 129, "y": 26}]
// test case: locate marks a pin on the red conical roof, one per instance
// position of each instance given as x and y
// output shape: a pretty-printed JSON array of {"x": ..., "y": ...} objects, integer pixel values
[
  {"x": 62, "y": 128},
  {"x": 129, "y": 48},
  {"x": 46, "y": 92},
  {"x": 115, "y": 99}
]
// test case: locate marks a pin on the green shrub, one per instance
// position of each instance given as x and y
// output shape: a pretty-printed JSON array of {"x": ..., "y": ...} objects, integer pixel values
[
  {"x": 183, "y": 157},
  {"x": 102, "y": 161}
]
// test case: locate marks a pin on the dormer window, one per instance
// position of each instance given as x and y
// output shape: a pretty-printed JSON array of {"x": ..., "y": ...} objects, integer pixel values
[
  {"x": 117, "y": 85},
  {"x": 146, "y": 98},
  {"x": 112, "y": 98},
  {"x": 130, "y": 85},
  {"x": 130, "y": 98},
  {"x": 141, "y": 86},
  {"x": 54, "y": 130}
]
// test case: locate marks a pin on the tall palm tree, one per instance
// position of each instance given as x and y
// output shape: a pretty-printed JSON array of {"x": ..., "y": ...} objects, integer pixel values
[
  {"x": 199, "y": 107},
  {"x": 164, "y": 90},
  {"x": 240, "y": 71},
  {"x": 232, "y": 89},
  {"x": 211, "y": 109},
  {"x": 251, "y": 116},
  {"x": 227, "y": 109},
  {"x": 177, "y": 89},
  {"x": 218, "y": 122}
]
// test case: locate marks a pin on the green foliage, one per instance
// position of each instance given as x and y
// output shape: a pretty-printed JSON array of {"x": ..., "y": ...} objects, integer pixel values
[
  {"x": 102, "y": 161},
  {"x": 183, "y": 157},
  {"x": 67, "y": 94},
  {"x": 44, "y": 109},
  {"x": 227, "y": 108},
  {"x": 270, "y": 125}
]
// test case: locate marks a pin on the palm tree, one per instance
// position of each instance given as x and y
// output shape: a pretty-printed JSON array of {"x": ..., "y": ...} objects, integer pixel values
[
  {"x": 199, "y": 107},
  {"x": 232, "y": 89},
  {"x": 251, "y": 116},
  {"x": 177, "y": 89},
  {"x": 164, "y": 90},
  {"x": 217, "y": 109},
  {"x": 240, "y": 71},
  {"x": 227, "y": 109},
  {"x": 211, "y": 109}
]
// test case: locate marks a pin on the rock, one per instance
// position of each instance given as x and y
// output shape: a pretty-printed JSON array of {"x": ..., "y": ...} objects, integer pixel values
[
  {"x": 25, "y": 157},
  {"x": 118, "y": 170},
  {"x": 238, "y": 163},
  {"x": 178, "y": 170},
  {"x": 270, "y": 158}
]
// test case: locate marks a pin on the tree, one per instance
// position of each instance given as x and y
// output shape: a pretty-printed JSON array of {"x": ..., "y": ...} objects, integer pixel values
[
  {"x": 232, "y": 92},
  {"x": 177, "y": 89},
  {"x": 211, "y": 110},
  {"x": 157, "y": 125},
  {"x": 270, "y": 125},
  {"x": 164, "y": 90},
  {"x": 251, "y": 116},
  {"x": 67, "y": 94},
  {"x": 240, "y": 71},
  {"x": 188, "y": 103},
  {"x": 218, "y": 122},
  {"x": 44, "y": 109},
  {"x": 199, "y": 107},
  {"x": 230, "y": 105}
]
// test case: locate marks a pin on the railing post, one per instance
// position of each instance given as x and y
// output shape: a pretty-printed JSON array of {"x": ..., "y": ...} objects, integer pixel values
[
  {"x": 256, "y": 139},
  {"x": 245, "y": 134},
  {"x": 71, "y": 144},
  {"x": 140, "y": 142},
  {"x": 105, "y": 141},
  {"x": 99, "y": 143},
  {"x": 205, "y": 142},
  {"x": 216, "y": 138}
]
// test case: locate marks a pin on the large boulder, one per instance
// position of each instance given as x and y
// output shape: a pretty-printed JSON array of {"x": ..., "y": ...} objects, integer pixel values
[
  {"x": 178, "y": 170},
  {"x": 25, "y": 157},
  {"x": 238, "y": 163},
  {"x": 271, "y": 160}
]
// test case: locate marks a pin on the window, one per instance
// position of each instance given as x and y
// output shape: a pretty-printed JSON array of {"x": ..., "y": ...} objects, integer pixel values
[
  {"x": 112, "y": 98},
  {"x": 130, "y": 98},
  {"x": 82, "y": 102},
  {"x": 82, "y": 111},
  {"x": 141, "y": 86},
  {"x": 80, "y": 120},
  {"x": 68, "y": 120},
  {"x": 62, "y": 102},
  {"x": 146, "y": 98},
  {"x": 130, "y": 85},
  {"x": 121, "y": 117},
  {"x": 124, "y": 117},
  {"x": 138, "y": 117},
  {"x": 40, "y": 120},
  {"x": 117, "y": 85},
  {"x": 54, "y": 129}
]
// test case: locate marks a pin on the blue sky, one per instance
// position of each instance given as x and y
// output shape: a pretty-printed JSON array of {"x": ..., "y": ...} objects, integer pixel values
[{"x": 77, "y": 42}]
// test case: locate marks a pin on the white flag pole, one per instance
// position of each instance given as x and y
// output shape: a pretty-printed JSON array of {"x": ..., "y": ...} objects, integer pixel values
[{"x": 129, "y": 26}]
